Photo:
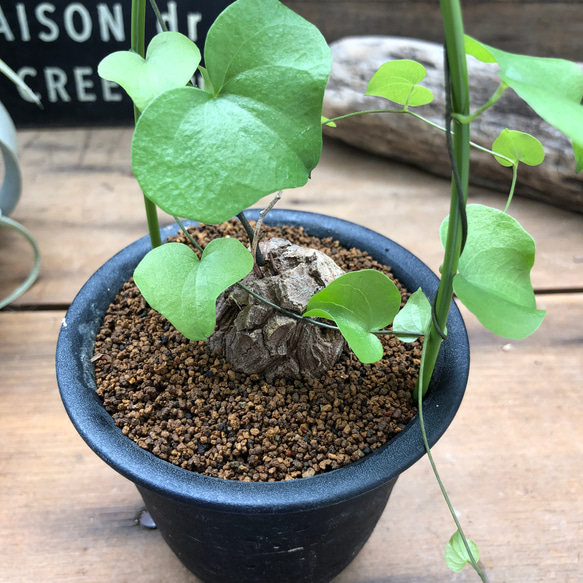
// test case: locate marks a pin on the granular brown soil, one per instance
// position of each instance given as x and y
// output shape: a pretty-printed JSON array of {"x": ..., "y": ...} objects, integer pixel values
[{"x": 186, "y": 405}]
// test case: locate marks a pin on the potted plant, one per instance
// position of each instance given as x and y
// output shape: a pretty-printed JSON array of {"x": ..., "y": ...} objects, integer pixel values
[{"x": 207, "y": 154}]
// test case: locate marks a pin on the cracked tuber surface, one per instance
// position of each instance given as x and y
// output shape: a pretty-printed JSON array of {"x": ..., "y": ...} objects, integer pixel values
[{"x": 257, "y": 338}]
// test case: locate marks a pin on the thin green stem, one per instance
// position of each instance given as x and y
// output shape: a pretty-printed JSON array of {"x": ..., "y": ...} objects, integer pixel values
[
  {"x": 491, "y": 152},
  {"x": 283, "y": 310},
  {"x": 310, "y": 320},
  {"x": 138, "y": 45},
  {"x": 460, "y": 104},
  {"x": 425, "y": 120},
  {"x": 158, "y": 14},
  {"x": 472, "y": 144},
  {"x": 414, "y": 335},
  {"x": 335, "y": 119},
  {"x": 473, "y": 562},
  {"x": 188, "y": 235},
  {"x": 512, "y": 186},
  {"x": 495, "y": 97}
]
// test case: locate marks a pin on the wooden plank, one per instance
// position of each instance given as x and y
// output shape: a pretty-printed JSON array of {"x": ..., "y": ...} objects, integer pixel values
[
  {"x": 511, "y": 461},
  {"x": 545, "y": 28},
  {"x": 83, "y": 205},
  {"x": 65, "y": 515}
]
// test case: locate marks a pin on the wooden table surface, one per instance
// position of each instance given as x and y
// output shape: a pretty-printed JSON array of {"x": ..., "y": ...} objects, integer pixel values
[{"x": 512, "y": 460}]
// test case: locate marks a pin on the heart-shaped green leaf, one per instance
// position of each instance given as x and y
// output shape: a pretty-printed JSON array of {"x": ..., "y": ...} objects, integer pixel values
[
  {"x": 208, "y": 157},
  {"x": 519, "y": 147},
  {"x": 171, "y": 61},
  {"x": 360, "y": 302},
  {"x": 185, "y": 289},
  {"x": 456, "y": 554},
  {"x": 552, "y": 87},
  {"x": 414, "y": 317},
  {"x": 494, "y": 273},
  {"x": 397, "y": 81}
]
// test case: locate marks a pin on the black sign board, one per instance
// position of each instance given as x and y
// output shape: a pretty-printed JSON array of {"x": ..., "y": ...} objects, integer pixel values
[{"x": 56, "y": 47}]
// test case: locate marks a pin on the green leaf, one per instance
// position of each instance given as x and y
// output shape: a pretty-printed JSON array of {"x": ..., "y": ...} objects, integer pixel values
[
  {"x": 456, "y": 554},
  {"x": 360, "y": 302},
  {"x": 326, "y": 121},
  {"x": 208, "y": 157},
  {"x": 414, "y": 317},
  {"x": 208, "y": 84},
  {"x": 478, "y": 50},
  {"x": 519, "y": 147},
  {"x": 494, "y": 273},
  {"x": 11, "y": 74},
  {"x": 397, "y": 81},
  {"x": 552, "y": 87},
  {"x": 171, "y": 61},
  {"x": 185, "y": 289}
]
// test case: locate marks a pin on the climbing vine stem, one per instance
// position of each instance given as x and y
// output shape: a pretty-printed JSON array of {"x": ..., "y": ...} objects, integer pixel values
[
  {"x": 138, "y": 44},
  {"x": 420, "y": 118},
  {"x": 481, "y": 573},
  {"x": 459, "y": 100}
]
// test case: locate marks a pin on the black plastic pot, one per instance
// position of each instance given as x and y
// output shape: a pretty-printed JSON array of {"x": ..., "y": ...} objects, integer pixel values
[{"x": 300, "y": 531}]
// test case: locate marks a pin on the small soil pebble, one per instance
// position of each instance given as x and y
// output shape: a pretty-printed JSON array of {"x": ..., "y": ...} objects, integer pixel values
[{"x": 185, "y": 403}]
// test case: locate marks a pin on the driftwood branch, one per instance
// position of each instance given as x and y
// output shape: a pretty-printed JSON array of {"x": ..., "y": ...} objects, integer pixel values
[{"x": 406, "y": 139}]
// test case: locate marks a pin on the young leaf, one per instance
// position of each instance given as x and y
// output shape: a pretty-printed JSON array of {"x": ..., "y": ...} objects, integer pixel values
[
  {"x": 171, "y": 61},
  {"x": 327, "y": 122},
  {"x": 552, "y": 87},
  {"x": 185, "y": 289},
  {"x": 519, "y": 147},
  {"x": 207, "y": 157},
  {"x": 494, "y": 273},
  {"x": 208, "y": 84},
  {"x": 456, "y": 554},
  {"x": 414, "y": 317},
  {"x": 397, "y": 81},
  {"x": 360, "y": 302}
]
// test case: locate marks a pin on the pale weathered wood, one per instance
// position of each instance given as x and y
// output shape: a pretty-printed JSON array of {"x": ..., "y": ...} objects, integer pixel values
[
  {"x": 65, "y": 516},
  {"x": 82, "y": 204},
  {"x": 536, "y": 27},
  {"x": 407, "y": 139},
  {"x": 511, "y": 461},
  {"x": 408, "y": 206}
]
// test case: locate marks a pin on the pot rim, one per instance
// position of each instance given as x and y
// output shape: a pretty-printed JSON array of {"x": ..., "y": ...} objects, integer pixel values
[{"x": 76, "y": 380}]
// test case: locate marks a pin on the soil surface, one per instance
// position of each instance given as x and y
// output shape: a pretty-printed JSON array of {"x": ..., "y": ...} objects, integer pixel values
[{"x": 187, "y": 405}]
